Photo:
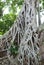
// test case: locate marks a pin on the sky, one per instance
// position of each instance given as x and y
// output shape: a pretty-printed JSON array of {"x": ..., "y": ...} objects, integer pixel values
[{"x": 42, "y": 16}]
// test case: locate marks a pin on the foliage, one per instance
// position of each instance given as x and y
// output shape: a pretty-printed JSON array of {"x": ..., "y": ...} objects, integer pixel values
[
  {"x": 42, "y": 1},
  {"x": 14, "y": 49},
  {"x": 7, "y": 20}
]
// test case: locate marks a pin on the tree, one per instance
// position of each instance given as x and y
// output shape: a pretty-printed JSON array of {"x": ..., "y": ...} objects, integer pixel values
[{"x": 7, "y": 20}]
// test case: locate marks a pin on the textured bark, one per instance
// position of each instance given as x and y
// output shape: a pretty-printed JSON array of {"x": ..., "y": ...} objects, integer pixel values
[{"x": 41, "y": 44}]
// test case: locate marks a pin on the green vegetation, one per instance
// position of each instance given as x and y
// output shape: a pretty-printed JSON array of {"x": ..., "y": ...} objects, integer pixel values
[
  {"x": 14, "y": 49},
  {"x": 6, "y": 20},
  {"x": 42, "y": 1}
]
